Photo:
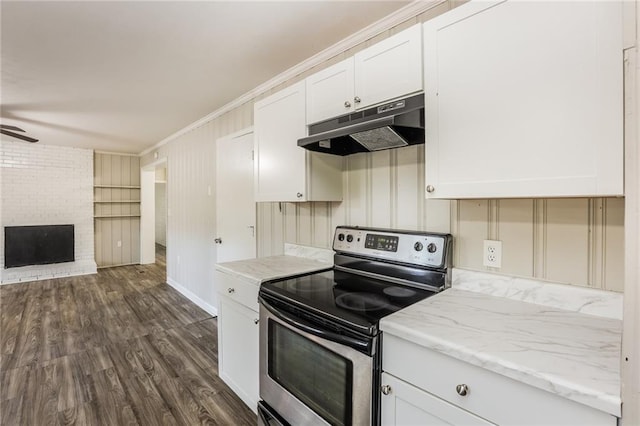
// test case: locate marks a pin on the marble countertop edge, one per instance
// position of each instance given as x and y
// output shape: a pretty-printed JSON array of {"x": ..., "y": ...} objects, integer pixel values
[{"x": 585, "y": 395}]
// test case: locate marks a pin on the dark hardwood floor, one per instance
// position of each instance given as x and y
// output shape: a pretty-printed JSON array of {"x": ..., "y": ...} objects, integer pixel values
[{"x": 117, "y": 348}]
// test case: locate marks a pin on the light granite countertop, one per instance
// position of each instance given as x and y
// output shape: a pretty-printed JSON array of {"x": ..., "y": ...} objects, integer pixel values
[
  {"x": 558, "y": 349},
  {"x": 296, "y": 260}
]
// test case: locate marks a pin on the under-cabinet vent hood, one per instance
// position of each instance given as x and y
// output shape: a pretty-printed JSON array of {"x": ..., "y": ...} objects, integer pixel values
[{"x": 392, "y": 125}]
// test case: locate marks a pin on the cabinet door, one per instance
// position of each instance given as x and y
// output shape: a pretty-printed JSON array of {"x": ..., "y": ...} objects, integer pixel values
[
  {"x": 330, "y": 92},
  {"x": 238, "y": 349},
  {"x": 524, "y": 99},
  {"x": 389, "y": 69},
  {"x": 280, "y": 164},
  {"x": 407, "y": 405}
]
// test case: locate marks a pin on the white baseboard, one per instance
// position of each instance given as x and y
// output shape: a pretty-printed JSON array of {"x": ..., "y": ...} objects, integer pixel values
[{"x": 212, "y": 310}]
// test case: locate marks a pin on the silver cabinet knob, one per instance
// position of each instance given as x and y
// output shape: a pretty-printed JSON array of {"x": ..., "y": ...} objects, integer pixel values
[
  {"x": 430, "y": 188},
  {"x": 347, "y": 104},
  {"x": 299, "y": 195},
  {"x": 386, "y": 389},
  {"x": 255, "y": 321},
  {"x": 231, "y": 290},
  {"x": 462, "y": 390},
  {"x": 357, "y": 99},
  {"x": 218, "y": 240}
]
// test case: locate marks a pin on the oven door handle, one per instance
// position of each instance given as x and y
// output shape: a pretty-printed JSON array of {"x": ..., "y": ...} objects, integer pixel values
[{"x": 359, "y": 344}]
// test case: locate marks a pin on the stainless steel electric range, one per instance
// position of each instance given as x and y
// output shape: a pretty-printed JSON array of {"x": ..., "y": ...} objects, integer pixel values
[{"x": 320, "y": 343}]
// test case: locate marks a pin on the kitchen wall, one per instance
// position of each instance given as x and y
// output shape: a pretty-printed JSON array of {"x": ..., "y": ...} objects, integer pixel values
[
  {"x": 577, "y": 241},
  {"x": 48, "y": 185}
]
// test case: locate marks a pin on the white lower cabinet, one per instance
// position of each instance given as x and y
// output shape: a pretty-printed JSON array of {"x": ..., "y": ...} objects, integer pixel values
[
  {"x": 408, "y": 405},
  {"x": 238, "y": 337},
  {"x": 426, "y": 387}
]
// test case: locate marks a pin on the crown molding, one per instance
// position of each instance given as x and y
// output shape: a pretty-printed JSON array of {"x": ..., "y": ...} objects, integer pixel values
[{"x": 399, "y": 16}]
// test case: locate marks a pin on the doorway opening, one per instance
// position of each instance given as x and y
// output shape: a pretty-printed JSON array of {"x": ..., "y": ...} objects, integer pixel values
[
  {"x": 161, "y": 217},
  {"x": 154, "y": 214}
]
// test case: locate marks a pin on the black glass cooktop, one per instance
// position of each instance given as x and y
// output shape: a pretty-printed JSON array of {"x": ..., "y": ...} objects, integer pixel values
[{"x": 348, "y": 299}]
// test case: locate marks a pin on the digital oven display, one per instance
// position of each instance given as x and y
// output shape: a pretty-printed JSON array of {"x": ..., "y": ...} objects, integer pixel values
[{"x": 381, "y": 242}]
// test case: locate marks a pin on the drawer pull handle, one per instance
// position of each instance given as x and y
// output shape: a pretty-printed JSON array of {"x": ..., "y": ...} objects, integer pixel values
[
  {"x": 463, "y": 390},
  {"x": 256, "y": 321},
  {"x": 231, "y": 290},
  {"x": 386, "y": 389}
]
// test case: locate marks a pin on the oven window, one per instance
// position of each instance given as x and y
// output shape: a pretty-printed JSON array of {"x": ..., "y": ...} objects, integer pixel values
[{"x": 319, "y": 378}]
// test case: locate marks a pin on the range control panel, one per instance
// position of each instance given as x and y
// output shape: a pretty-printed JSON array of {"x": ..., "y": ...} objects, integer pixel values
[{"x": 419, "y": 248}]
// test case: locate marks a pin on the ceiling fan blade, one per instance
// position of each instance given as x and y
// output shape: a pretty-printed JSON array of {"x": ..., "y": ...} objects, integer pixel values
[
  {"x": 17, "y": 135},
  {"x": 13, "y": 128}
]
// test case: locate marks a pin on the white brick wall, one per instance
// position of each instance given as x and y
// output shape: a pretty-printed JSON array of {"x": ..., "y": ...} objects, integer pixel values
[{"x": 47, "y": 185}]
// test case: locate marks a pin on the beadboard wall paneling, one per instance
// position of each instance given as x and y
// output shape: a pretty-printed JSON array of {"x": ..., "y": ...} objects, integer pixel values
[
  {"x": 124, "y": 226},
  {"x": 515, "y": 228},
  {"x": 566, "y": 248},
  {"x": 191, "y": 215},
  {"x": 613, "y": 245}
]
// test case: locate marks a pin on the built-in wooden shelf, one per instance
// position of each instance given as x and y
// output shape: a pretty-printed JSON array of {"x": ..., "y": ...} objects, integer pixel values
[
  {"x": 116, "y": 216},
  {"x": 117, "y": 186},
  {"x": 116, "y": 201}
]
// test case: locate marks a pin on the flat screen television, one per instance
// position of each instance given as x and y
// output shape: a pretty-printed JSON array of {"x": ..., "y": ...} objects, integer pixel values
[{"x": 38, "y": 245}]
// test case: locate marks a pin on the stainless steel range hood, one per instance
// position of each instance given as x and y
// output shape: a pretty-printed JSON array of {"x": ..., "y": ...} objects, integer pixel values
[{"x": 392, "y": 125}]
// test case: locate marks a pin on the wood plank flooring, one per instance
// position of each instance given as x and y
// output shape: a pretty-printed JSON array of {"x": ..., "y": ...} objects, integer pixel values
[{"x": 117, "y": 348}]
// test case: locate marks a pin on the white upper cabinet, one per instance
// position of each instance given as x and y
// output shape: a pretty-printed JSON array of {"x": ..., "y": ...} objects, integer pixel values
[
  {"x": 524, "y": 99},
  {"x": 283, "y": 170},
  {"x": 330, "y": 92},
  {"x": 389, "y": 69}
]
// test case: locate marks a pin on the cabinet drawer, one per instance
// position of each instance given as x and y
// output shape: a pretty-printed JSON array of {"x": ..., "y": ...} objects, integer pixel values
[
  {"x": 240, "y": 291},
  {"x": 494, "y": 397}
]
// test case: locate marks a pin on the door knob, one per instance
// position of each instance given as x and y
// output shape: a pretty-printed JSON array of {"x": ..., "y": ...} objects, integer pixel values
[
  {"x": 386, "y": 389},
  {"x": 357, "y": 99},
  {"x": 347, "y": 104},
  {"x": 218, "y": 240},
  {"x": 299, "y": 195},
  {"x": 430, "y": 188}
]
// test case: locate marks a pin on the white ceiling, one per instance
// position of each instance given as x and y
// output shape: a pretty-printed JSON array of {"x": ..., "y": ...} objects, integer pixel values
[{"x": 121, "y": 76}]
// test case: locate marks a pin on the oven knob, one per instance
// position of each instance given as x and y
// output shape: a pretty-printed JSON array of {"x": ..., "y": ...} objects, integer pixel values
[
  {"x": 349, "y": 238},
  {"x": 340, "y": 237},
  {"x": 431, "y": 248},
  {"x": 418, "y": 246}
]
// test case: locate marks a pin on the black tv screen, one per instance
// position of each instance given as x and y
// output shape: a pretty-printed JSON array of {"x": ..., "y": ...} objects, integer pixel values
[{"x": 38, "y": 245}]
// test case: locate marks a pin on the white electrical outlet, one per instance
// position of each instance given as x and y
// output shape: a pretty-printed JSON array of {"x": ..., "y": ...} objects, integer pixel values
[
  {"x": 492, "y": 253},
  {"x": 119, "y": 243}
]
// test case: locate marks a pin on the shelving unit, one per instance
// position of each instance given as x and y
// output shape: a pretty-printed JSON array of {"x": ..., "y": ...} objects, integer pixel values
[
  {"x": 117, "y": 186},
  {"x": 116, "y": 209}
]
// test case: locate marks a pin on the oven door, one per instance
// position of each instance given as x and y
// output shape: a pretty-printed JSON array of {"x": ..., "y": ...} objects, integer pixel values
[{"x": 312, "y": 376}]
